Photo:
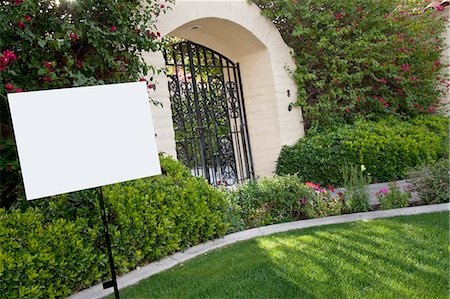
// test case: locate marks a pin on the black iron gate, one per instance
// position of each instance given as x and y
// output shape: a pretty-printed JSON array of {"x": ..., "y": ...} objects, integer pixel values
[{"x": 208, "y": 111}]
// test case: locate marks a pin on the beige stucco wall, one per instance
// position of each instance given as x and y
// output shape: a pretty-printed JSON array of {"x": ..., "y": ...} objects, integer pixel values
[{"x": 236, "y": 29}]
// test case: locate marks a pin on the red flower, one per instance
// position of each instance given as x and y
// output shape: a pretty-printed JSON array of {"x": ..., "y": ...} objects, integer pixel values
[
  {"x": 20, "y": 24},
  {"x": 19, "y": 89},
  {"x": 383, "y": 80},
  {"x": 47, "y": 79},
  {"x": 9, "y": 87},
  {"x": 151, "y": 86},
  {"x": 73, "y": 36},
  {"x": 402, "y": 50},
  {"x": 158, "y": 34},
  {"x": 142, "y": 79},
  {"x": 338, "y": 29},
  {"x": 113, "y": 28},
  {"x": 358, "y": 9},
  {"x": 331, "y": 188},
  {"x": 312, "y": 185},
  {"x": 18, "y": 2},
  {"x": 339, "y": 16},
  {"x": 79, "y": 64},
  {"x": 28, "y": 18},
  {"x": 440, "y": 7},
  {"x": 9, "y": 55},
  {"x": 162, "y": 6},
  {"x": 412, "y": 78},
  {"x": 358, "y": 98},
  {"x": 47, "y": 64},
  {"x": 347, "y": 110}
]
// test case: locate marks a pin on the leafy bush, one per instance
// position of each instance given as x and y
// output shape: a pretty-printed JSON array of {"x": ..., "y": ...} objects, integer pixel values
[
  {"x": 282, "y": 199},
  {"x": 356, "y": 194},
  {"x": 367, "y": 58},
  {"x": 393, "y": 197},
  {"x": 387, "y": 148},
  {"x": 271, "y": 200},
  {"x": 431, "y": 182},
  {"x": 50, "y": 248},
  {"x": 322, "y": 205},
  {"x": 52, "y": 44}
]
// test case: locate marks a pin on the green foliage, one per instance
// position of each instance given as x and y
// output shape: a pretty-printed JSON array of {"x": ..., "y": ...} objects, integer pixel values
[
  {"x": 52, "y": 44},
  {"x": 322, "y": 205},
  {"x": 362, "y": 58},
  {"x": 393, "y": 197},
  {"x": 387, "y": 148},
  {"x": 357, "y": 197},
  {"x": 431, "y": 182},
  {"x": 271, "y": 200},
  {"x": 50, "y": 248}
]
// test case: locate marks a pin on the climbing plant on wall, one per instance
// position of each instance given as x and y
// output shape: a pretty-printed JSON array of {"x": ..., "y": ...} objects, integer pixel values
[
  {"x": 359, "y": 58},
  {"x": 62, "y": 43}
]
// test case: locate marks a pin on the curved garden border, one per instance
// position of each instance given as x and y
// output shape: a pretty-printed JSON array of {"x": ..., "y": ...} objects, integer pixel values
[{"x": 139, "y": 274}]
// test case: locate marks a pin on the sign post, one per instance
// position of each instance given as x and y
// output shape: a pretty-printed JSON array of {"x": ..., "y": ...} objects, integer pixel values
[{"x": 84, "y": 137}]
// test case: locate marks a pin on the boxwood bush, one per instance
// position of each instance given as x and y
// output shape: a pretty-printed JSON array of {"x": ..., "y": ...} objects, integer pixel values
[
  {"x": 50, "y": 248},
  {"x": 387, "y": 148}
]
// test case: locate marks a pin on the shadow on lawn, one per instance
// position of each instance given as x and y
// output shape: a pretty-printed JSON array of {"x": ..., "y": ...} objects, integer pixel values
[
  {"x": 388, "y": 258},
  {"x": 404, "y": 257}
]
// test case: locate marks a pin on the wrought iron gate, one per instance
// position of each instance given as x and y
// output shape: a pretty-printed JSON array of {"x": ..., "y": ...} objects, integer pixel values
[{"x": 208, "y": 111}]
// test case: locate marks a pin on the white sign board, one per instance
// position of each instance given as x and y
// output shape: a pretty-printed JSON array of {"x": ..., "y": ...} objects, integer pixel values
[{"x": 78, "y": 138}]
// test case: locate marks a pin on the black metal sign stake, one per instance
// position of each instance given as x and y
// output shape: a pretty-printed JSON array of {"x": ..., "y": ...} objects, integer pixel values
[{"x": 113, "y": 282}]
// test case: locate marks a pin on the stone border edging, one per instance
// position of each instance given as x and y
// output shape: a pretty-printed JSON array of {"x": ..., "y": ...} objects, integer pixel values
[{"x": 146, "y": 271}]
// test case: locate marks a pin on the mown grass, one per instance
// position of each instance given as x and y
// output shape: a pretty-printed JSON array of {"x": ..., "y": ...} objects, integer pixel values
[{"x": 401, "y": 257}]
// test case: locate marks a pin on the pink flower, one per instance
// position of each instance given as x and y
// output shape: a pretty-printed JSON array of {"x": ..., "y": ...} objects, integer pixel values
[
  {"x": 28, "y": 18},
  {"x": 19, "y": 89},
  {"x": 383, "y": 80},
  {"x": 113, "y": 28},
  {"x": 20, "y": 24},
  {"x": 142, "y": 79},
  {"x": 406, "y": 67},
  {"x": 150, "y": 86},
  {"x": 331, "y": 188},
  {"x": 162, "y": 6},
  {"x": 338, "y": 29},
  {"x": 347, "y": 110},
  {"x": 440, "y": 8},
  {"x": 303, "y": 201},
  {"x": 18, "y": 2},
  {"x": 9, "y": 87},
  {"x": 47, "y": 64},
  {"x": 402, "y": 50}
]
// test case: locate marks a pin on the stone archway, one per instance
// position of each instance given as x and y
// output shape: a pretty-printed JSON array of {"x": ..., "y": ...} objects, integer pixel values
[{"x": 237, "y": 30}]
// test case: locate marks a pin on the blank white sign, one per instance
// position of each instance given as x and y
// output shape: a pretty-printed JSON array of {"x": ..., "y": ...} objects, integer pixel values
[{"x": 78, "y": 138}]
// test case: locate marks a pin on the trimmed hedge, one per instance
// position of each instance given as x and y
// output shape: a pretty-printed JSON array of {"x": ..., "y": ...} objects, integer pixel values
[
  {"x": 50, "y": 248},
  {"x": 387, "y": 148}
]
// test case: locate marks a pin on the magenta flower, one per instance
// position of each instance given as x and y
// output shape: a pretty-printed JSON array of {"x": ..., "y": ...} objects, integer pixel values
[
  {"x": 406, "y": 67},
  {"x": 384, "y": 190}
]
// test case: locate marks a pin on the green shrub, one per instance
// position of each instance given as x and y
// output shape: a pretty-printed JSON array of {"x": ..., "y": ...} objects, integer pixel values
[
  {"x": 357, "y": 197},
  {"x": 368, "y": 58},
  {"x": 271, "y": 200},
  {"x": 431, "y": 182},
  {"x": 387, "y": 148},
  {"x": 322, "y": 205},
  {"x": 393, "y": 197},
  {"x": 50, "y": 248}
]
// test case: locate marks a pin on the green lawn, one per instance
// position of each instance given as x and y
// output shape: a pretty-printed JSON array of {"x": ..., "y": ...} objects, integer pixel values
[{"x": 402, "y": 257}]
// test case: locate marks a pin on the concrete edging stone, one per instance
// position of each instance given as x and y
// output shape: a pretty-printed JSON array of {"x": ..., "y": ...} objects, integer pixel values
[{"x": 146, "y": 271}]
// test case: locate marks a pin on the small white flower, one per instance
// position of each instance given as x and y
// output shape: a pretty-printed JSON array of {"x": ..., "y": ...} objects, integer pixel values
[{"x": 363, "y": 167}]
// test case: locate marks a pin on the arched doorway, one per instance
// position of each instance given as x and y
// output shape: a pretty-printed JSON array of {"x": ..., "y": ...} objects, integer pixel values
[
  {"x": 237, "y": 30},
  {"x": 208, "y": 113}
]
